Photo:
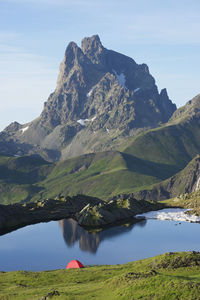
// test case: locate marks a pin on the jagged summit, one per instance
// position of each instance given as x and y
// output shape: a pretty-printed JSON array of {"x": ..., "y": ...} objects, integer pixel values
[
  {"x": 93, "y": 49},
  {"x": 91, "y": 43},
  {"x": 102, "y": 98}
]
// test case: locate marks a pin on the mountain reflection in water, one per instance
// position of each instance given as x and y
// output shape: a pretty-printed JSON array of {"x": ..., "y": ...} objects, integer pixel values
[{"x": 90, "y": 242}]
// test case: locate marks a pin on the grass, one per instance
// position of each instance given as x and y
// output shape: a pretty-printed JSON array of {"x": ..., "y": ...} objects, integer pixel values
[
  {"x": 168, "y": 276},
  {"x": 173, "y": 145},
  {"x": 19, "y": 175},
  {"x": 101, "y": 174}
]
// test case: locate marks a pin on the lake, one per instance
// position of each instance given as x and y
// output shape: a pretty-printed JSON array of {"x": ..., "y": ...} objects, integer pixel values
[{"x": 47, "y": 246}]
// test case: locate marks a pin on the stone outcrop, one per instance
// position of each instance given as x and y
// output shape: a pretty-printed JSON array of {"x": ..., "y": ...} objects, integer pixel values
[
  {"x": 89, "y": 212},
  {"x": 114, "y": 211},
  {"x": 18, "y": 215}
]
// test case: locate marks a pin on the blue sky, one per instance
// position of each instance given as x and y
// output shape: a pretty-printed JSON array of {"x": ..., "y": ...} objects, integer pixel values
[{"x": 35, "y": 33}]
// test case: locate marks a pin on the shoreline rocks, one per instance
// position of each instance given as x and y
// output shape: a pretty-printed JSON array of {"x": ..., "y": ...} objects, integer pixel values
[{"x": 88, "y": 211}]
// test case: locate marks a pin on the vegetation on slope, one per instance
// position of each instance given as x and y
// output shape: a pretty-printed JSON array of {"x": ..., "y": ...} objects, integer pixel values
[
  {"x": 100, "y": 174},
  {"x": 185, "y": 181},
  {"x": 18, "y": 176},
  {"x": 169, "y": 276},
  {"x": 171, "y": 145}
]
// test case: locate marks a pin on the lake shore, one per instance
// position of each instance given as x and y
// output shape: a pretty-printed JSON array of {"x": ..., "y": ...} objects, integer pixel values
[{"x": 91, "y": 213}]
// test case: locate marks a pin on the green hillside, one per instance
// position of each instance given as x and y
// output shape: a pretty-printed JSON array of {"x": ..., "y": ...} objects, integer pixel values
[
  {"x": 172, "y": 145},
  {"x": 101, "y": 174},
  {"x": 19, "y": 175},
  {"x": 168, "y": 276},
  {"x": 183, "y": 182}
]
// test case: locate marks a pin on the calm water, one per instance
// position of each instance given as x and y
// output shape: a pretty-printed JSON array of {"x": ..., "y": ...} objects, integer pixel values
[{"x": 52, "y": 245}]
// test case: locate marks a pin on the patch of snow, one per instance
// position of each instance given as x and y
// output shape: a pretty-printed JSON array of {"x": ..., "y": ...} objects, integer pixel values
[
  {"x": 121, "y": 78},
  {"x": 93, "y": 119},
  {"x": 90, "y": 93},
  {"x": 107, "y": 130},
  {"x": 16, "y": 155},
  {"x": 24, "y": 129},
  {"x": 136, "y": 90},
  {"x": 83, "y": 121},
  {"x": 172, "y": 214}
]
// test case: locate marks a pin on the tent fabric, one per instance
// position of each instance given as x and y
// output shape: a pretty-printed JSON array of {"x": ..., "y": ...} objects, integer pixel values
[{"x": 74, "y": 264}]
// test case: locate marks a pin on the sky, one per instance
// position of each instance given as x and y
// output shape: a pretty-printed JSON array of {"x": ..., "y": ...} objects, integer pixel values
[{"x": 35, "y": 33}]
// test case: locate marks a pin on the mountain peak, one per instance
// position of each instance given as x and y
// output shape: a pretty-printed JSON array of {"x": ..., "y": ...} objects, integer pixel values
[
  {"x": 72, "y": 51},
  {"x": 92, "y": 48},
  {"x": 91, "y": 43}
]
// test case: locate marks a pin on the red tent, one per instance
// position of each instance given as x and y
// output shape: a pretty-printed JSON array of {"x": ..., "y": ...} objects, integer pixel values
[{"x": 74, "y": 264}]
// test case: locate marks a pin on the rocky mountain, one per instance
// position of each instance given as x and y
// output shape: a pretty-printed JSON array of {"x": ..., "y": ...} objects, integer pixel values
[{"x": 102, "y": 98}]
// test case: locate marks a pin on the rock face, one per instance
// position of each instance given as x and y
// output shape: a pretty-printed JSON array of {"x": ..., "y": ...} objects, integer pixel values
[
  {"x": 101, "y": 98},
  {"x": 18, "y": 215},
  {"x": 109, "y": 213}
]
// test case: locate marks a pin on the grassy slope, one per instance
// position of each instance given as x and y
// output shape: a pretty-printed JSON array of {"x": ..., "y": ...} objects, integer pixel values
[
  {"x": 18, "y": 176},
  {"x": 171, "y": 145},
  {"x": 182, "y": 181},
  {"x": 176, "y": 276},
  {"x": 101, "y": 174}
]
